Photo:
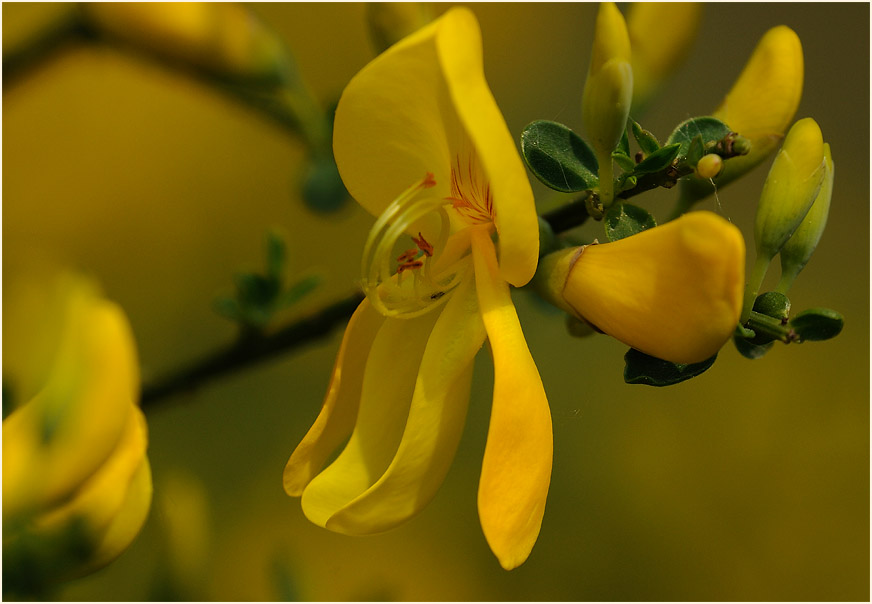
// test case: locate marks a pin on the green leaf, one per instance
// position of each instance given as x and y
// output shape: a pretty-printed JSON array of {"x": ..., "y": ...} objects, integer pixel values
[
  {"x": 817, "y": 324},
  {"x": 648, "y": 143},
  {"x": 624, "y": 144},
  {"x": 627, "y": 163},
  {"x": 276, "y": 253},
  {"x": 255, "y": 290},
  {"x": 624, "y": 219},
  {"x": 558, "y": 157},
  {"x": 709, "y": 128},
  {"x": 322, "y": 189},
  {"x": 641, "y": 368},
  {"x": 657, "y": 161},
  {"x": 298, "y": 290},
  {"x": 696, "y": 150}
]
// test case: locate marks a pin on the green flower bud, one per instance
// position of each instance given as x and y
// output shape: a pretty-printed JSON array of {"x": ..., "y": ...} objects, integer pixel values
[
  {"x": 798, "y": 250},
  {"x": 390, "y": 22},
  {"x": 791, "y": 187},
  {"x": 608, "y": 92}
]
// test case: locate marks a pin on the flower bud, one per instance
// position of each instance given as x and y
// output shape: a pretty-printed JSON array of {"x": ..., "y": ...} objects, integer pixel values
[
  {"x": 390, "y": 22},
  {"x": 709, "y": 166},
  {"x": 221, "y": 37},
  {"x": 661, "y": 34},
  {"x": 791, "y": 187},
  {"x": 608, "y": 90},
  {"x": 760, "y": 106},
  {"x": 798, "y": 250},
  {"x": 673, "y": 292}
]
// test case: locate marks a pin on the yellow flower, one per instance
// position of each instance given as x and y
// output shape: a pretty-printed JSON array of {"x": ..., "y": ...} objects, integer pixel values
[
  {"x": 223, "y": 37},
  {"x": 673, "y": 292},
  {"x": 608, "y": 92},
  {"x": 661, "y": 34},
  {"x": 75, "y": 473},
  {"x": 760, "y": 106},
  {"x": 420, "y": 126}
]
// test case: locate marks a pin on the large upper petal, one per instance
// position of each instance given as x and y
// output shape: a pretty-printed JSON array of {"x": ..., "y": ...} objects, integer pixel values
[
  {"x": 516, "y": 470},
  {"x": 417, "y": 108}
]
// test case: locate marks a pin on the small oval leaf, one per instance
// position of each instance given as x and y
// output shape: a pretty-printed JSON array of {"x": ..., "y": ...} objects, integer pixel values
[
  {"x": 641, "y": 368},
  {"x": 648, "y": 143},
  {"x": 627, "y": 163},
  {"x": 624, "y": 219},
  {"x": 657, "y": 161},
  {"x": 558, "y": 157},
  {"x": 749, "y": 349},
  {"x": 709, "y": 128},
  {"x": 773, "y": 304},
  {"x": 817, "y": 324}
]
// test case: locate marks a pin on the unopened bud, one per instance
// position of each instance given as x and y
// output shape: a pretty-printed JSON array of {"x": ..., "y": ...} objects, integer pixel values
[
  {"x": 390, "y": 22},
  {"x": 790, "y": 188},
  {"x": 709, "y": 166},
  {"x": 798, "y": 250}
]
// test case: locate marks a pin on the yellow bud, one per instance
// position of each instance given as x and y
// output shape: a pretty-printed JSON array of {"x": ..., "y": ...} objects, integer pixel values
[
  {"x": 673, "y": 292},
  {"x": 222, "y": 37},
  {"x": 608, "y": 90},
  {"x": 390, "y": 22},
  {"x": 790, "y": 188},
  {"x": 709, "y": 166},
  {"x": 661, "y": 34},
  {"x": 798, "y": 250},
  {"x": 760, "y": 106}
]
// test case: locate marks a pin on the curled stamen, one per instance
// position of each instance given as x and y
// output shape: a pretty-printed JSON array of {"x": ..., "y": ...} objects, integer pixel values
[{"x": 384, "y": 286}]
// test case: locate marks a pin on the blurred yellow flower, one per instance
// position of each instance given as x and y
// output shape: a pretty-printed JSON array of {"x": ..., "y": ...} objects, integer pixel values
[
  {"x": 760, "y": 106},
  {"x": 673, "y": 292},
  {"x": 421, "y": 120},
  {"x": 661, "y": 34},
  {"x": 76, "y": 480}
]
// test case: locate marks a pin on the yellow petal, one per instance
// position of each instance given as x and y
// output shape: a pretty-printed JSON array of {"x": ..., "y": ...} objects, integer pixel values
[
  {"x": 435, "y": 424},
  {"x": 386, "y": 393},
  {"x": 339, "y": 412},
  {"x": 516, "y": 470},
  {"x": 420, "y": 107},
  {"x": 661, "y": 34},
  {"x": 760, "y": 106},
  {"x": 611, "y": 39},
  {"x": 54, "y": 442},
  {"x": 673, "y": 292}
]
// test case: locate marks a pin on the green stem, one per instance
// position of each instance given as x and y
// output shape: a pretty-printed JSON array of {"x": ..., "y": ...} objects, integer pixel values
[
  {"x": 606, "y": 180},
  {"x": 771, "y": 327},
  {"x": 752, "y": 288}
]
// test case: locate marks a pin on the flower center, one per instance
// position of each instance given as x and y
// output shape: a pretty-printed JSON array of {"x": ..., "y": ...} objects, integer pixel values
[{"x": 414, "y": 281}]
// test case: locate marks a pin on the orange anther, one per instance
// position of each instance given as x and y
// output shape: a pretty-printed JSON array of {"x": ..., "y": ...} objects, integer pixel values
[
  {"x": 423, "y": 245},
  {"x": 408, "y": 255},
  {"x": 411, "y": 264},
  {"x": 429, "y": 181}
]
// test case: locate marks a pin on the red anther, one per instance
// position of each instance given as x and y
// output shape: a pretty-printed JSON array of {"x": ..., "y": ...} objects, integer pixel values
[
  {"x": 408, "y": 255},
  {"x": 423, "y": 245},
  {"x": 411, "y": 264}
]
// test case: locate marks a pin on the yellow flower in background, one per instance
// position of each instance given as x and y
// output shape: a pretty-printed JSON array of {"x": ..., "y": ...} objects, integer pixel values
[
  {"x": 661, "y": 35},
  {"x": 223, "y": 37},
  {"x": 673, "y": 292},
  {"x": 419, "y": 125},
  {"x": 76, "y": 479},
  {"x": 760, "y": 106}
]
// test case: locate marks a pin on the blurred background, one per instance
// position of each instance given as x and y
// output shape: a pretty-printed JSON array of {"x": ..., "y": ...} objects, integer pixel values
[{"x": 750, "y": 482}]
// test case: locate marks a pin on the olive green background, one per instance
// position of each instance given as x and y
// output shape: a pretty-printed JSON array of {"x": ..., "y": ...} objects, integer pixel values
[{"x": 749, "y": 482}]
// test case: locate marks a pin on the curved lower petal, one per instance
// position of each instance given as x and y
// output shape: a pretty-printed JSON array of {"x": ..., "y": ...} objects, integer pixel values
[
  {"x": 339, "y": 412},
  {"x": 386, "y": 393},
  {"x": 436, "y": 419},
  {"x": 516, "y": 470}
]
